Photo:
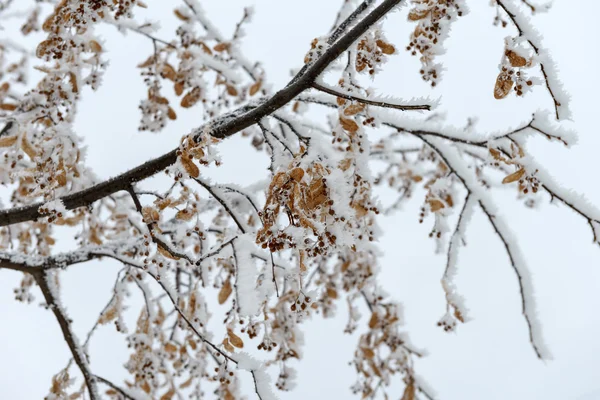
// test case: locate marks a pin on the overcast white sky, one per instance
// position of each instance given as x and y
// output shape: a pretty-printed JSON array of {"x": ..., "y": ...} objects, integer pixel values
[{"x": 487, "y": 358}]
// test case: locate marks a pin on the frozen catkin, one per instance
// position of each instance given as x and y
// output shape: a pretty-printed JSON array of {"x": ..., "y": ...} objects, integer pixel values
[{"x": 220, "y": 278}]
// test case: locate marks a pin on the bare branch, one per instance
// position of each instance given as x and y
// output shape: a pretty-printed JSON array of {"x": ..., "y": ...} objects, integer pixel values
[
  {"x": 65, "y": 325},
  {"x": 535, "y": 48},
  {"x": 221, "y": 128},
  {"x": 363, "y": 100}
]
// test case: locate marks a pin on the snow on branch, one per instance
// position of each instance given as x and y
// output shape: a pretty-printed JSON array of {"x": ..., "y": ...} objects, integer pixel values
[
  {"x": 517, "y": 260},
  {"x": 47, "y": 283},
  {"x": 527, "y": 32},
  {"x": 384, "y": 102}
]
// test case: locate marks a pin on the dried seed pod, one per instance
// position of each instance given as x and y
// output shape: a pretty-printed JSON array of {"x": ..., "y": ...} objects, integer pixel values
[
  {"x": 515, "y": 176},
  {"x": 225, "y": 292}
]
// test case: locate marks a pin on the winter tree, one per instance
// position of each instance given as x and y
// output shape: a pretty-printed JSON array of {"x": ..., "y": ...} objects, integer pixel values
[{"x": 215, "y": 280}]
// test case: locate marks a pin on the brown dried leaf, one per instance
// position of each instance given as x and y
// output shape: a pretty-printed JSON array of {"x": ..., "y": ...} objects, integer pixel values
[
  {"x": 94, "y": 238},
  {"x": 166, "y": 253},
  {"x": 436, "y": 205},
  {"x": 515, "y": 59},
  {"x": 235, "y": 339},
  {"x": 190, "y": 167},
  {"x": 225, "y": 292},
  {"x": 416, "y": 15},
  {"x": 61, "y": 178},
  {"x": 496, "y": 154},
  {"x": 373, "y": 321},
  {"x": 503, "y": 85},
  {"x": 180, "y": 15},
  {"x": 42, "y": 48},
  {"x": 231, "y": 90},
  {"x": 184, "y": 215},
  {"x": 369, "y": 353},
  {"x": 331, "y": 292},
  {"x": 221, "y": 46},
  {"x": 170, "y": 348},
  {"x": 191, "y": 98},
  {"x": 149, "y": 61},
  {"x": 186, "y": 384},
  {"x": 169, "y": 72},
  {"x": 354, "y": 109},
  {"x": 228, "y": 345},
  {"x": 8, "y": 107},
  {"x": 169, "y": 395},
  {"x": 409, "y": 391},
  {"x": 255, "y": 87},
  {"x": 349, "y": 125},
  {"x": 8, "y": 141},
  {"x": 178, "y": 87},
  {"x": 297, "y": 174},
  {"x": 146, "y": 387},
  {"x": 73, "y": 82},
  {"x": 515, "y": 176},
  {"x": 95, "y": 46},
  {"x": 205, "y": 48},
  {"x": 150, "y": 214},
  {"x": 228, "y": 395},
  {"x": 28, "y": 148},
  {"x": 345, "y": 267},
  {"x": 171, "y": 114},
  {"x": 386, "y": 48},
  {"x": 302, "y": 265},
  {"x": 108, "y": 315},
  {"x": 47, "y": 25}
]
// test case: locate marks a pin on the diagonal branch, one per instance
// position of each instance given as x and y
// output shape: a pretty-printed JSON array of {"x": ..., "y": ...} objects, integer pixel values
[
  {"x": 48, "y": 290},
  {"x": 452, "y": 159},
  {"x": 348, "y": 21},
  {"x": 159, "y": 242},
  {"x": 223, "y": 127},
  {"x": 513, "y": 17},
  {"x": 363, "y": 100},
  {"x": 108, "y": 383}
]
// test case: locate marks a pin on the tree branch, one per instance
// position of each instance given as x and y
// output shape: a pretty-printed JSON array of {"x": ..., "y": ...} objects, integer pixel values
[
  {"x": 535, "y": 48},
  {"x": 53, "y": 303},
  {"x": 221, "y": 128},
  {"x": 363, "y": 100},
  {"x": 114, "y": 387}
]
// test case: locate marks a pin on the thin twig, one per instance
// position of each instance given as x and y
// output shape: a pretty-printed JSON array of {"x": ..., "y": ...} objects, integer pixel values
[
  {"x": 64, "y": 322},
  {"x": 513, "y": 18},
  {"x": 364, "y": 100},
  {"x": 114, "y": 387}
]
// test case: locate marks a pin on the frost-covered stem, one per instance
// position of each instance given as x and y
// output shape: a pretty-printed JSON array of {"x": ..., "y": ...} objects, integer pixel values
[
  {"x": 221, "y": 128},
  {"x": 7, "y": 263},
  {"x": 348, "y": 21},
  {"x": 451, "y": 260},
  {"x": 173, "y": 301},
  {"x": 106, "y": 307},
  {"x": 158, "y": 241},
  {"x": 590, "y": 220},
  {"x": 363, "y": 100},
  {"x": 65, "y": 325},
  {"x": 513, "y": 18},
  {"x": 139, "y": 30},
  {"x": 528, "y": 4},
  {"x": 452, "y": 159},
  {"x": 216, "y": 251},
  {"x": 223, "y": 203},
  {"x": 114, "y": 387},
  {"x": 256, "y": 390},
  {"x": 587, "y": 211},
  {"x": 525, "y": 307}
]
